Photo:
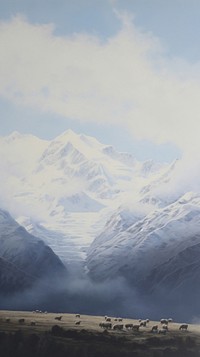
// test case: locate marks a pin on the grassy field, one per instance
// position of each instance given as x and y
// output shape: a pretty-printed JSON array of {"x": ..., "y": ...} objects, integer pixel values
[{"x": 42, "y": 334}]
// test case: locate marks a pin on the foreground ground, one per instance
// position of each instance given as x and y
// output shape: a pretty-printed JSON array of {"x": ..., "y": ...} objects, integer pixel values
[{"x": 43, "y": 334}]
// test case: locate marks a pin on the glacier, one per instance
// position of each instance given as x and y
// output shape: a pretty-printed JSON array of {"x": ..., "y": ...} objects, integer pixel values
[
  {"x": 105, "y": 214},
  {"x": 68, "y": 187}
]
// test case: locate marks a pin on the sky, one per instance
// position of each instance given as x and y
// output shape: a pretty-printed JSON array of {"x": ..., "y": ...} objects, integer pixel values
[{"x": 124, "y": 71}]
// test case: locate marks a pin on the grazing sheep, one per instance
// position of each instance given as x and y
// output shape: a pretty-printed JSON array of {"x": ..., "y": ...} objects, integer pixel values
[
  {"x": 183, "y": 327},
  {"x": 108, "y": 319},
  {"x": 164, "y": 321},
  {"x": 162, "y": 331},
  {"x": 118, "y": 327},
  {"x": 136, "y": 327},
  {"x": 78, "y": 322},
  {"x": 154, "y": 328},
  {"x": 165, "y": 327},
  {"x": 143, "y": 323},
  {"x": 128, "y": 326},
  {"x": 21, "y": 321},
  {"x": 58, "y": 318},
  {"x": 107, "y": 325}
]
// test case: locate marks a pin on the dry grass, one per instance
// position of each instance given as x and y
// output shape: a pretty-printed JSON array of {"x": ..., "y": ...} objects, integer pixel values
[
  {"x": 143, "y": 343},
  {"x": 45, "y": 321}
]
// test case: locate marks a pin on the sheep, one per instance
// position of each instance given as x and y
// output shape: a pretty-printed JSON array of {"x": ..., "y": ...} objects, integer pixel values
[
  {"x": 162, "y": 331},
  {"x": 118, "y": 327},
  {"x": 107, "y": 325},
  {"x": 78, "y": 315},
  {"x": 21, "y": 321},
  {"x": 183, "y": 327},
  {"x": 154, "y": 328},
  {"x": 128, "y": 326},
  {"x": 108, "y": 319},
  {"x": 165, "y": 327},
  {"x": 58, "y": 318},
  {"x": 78, "y": 322},
  {"x": 143, "y": 323},
  {"x": 136, "y": 327},
  {"x": 164, "y": 321}
]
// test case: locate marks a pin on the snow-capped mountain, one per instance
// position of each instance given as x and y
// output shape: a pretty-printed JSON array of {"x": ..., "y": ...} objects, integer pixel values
[
  {"x": 148, "y": 246},
  {"x": 68, "y": 187},
  {"x": 24, "y": 259},
  {"x": 102, "y": 212},
  {"x": 158, "y": 191}
]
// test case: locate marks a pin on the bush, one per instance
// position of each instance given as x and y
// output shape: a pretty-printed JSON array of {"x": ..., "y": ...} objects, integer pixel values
[{"x": 57, "y": 331}]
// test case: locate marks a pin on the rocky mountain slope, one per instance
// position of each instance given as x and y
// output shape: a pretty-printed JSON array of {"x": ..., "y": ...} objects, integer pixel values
[
  {"x": 158, "y": 254},
  {"x": 24, "y": 259}
]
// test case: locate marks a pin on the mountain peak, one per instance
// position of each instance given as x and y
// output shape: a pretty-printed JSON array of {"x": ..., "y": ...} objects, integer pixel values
[
  {"x": 68, "y": 132},
  {"x": 73, "y": 137},
  {"x": 14, "y": 135},
  {"x": 86, "y": 145}
]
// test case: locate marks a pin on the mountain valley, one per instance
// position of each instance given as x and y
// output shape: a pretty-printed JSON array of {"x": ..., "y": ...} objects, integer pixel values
[{"x": 102, "y": 214}]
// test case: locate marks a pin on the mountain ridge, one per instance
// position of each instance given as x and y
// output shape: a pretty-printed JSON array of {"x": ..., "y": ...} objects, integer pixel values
[
  {"x": 24, "y": 259},
  {"x": 105, "y": 214},
  {"x": 71, "y": 173}
]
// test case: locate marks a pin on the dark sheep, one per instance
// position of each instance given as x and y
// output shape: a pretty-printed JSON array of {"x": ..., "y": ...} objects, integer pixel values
[
  {"x": 78, "y": 322},
  {"x": 136, "y": 327},
  {"x": 128, "y": 326},
  {"x": 118, "y": 327},
  {"x": 21, "y": 321},
  {"x": 58, "y": 318},
  {"x": 183, "y": 327}
]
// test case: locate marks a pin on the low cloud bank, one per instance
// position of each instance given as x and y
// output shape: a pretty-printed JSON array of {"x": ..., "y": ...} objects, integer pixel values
[{"x": 114, "y": 298}]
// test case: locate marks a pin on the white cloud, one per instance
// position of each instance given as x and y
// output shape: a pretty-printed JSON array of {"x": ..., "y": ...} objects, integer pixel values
[{"x": 127, "y": 80}]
